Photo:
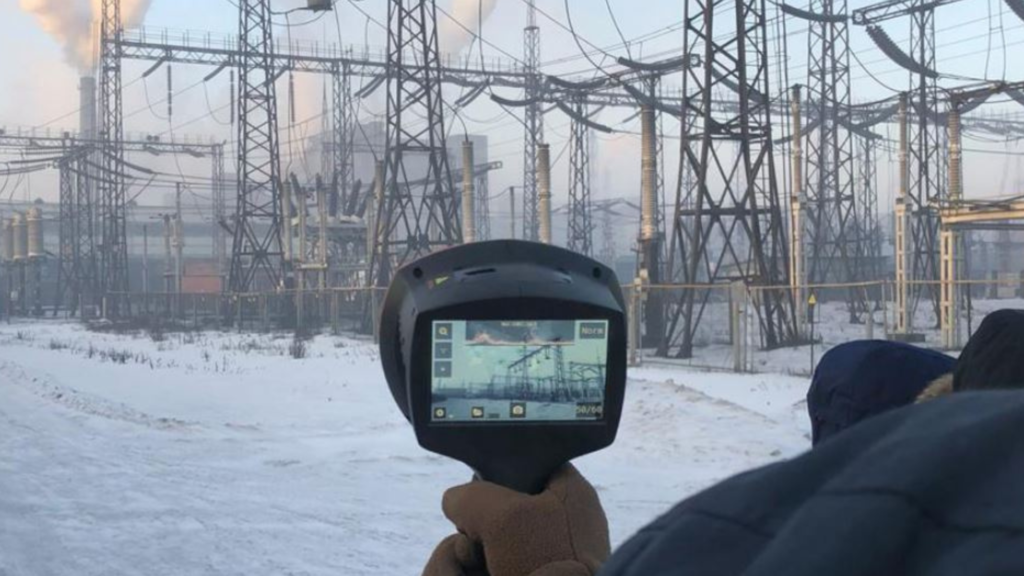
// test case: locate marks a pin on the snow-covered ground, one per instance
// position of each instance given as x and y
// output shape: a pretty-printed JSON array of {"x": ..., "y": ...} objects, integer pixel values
[{"x": 218, "y": 453}]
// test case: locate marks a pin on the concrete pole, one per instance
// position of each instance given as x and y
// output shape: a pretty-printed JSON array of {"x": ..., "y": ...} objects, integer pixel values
[
  {"x": 378, "y": 196},
  {"x": 179, "y": 247},
  {"x": 286, "y": 217},
  {"x": 650, "y": 241},
  {"x": 468, "y": 194},
  {"x": 904, "y": 324},
  {"x": 512, "y": 205},
  {"x": 145, "y": 260},
  {"x": 649, "y": 179},
  {"x": 321, "y": 209},
  {"x": 797, "y": 268},
  {"x": 168, "y": 258},
  {"x": 303, "y": 259},
  {"x": 379, "y": 234},
  {"x": 544, "y": 191},
  {"x": 950, "y": 240}
]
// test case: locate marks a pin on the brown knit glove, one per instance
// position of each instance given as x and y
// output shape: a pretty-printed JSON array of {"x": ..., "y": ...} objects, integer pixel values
[{"x": 560, "y": 532}]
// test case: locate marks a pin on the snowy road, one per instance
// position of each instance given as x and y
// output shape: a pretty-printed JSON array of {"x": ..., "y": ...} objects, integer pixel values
[{"x": 220, "y": 454}]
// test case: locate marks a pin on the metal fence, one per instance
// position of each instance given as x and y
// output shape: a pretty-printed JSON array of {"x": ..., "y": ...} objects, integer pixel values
[{"x": 731, "y": 333}]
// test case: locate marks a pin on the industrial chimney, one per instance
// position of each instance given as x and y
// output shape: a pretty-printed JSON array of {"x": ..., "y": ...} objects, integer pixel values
[{"x": 87, "y": 113}]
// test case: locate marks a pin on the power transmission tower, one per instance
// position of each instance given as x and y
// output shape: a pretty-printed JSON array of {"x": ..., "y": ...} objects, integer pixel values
[
  {"x": 725, "y": 215},
  {"x": 581, "y": 228},
  {"x": 343, "y": 130},
  {"x": 926, "y": 161},
  {"x": 85, "y": 234},
  {"x": 112, "y": 187},
  {"x": 834, "y": 250},
  {"x": 870, "y": 229},
  {"x": 927, "y": 158},
  {"x": 414, "y": 218},
  {"x": 257, "y": 258},
  {"x": 534, "y": 121},
  {"x": 67, "y": 268}
]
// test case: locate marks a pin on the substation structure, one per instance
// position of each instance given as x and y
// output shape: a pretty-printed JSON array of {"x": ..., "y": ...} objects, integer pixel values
[{"x": 733, "y": 221}]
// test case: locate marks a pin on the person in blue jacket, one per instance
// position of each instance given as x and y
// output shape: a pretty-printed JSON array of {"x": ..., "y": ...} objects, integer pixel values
[
  {"x": 857, "y": 380},
  {"x": 933, "y": 488}
]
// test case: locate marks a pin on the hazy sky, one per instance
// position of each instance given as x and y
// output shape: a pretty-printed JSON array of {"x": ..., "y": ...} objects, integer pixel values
[{"x": 38, "y": 87}]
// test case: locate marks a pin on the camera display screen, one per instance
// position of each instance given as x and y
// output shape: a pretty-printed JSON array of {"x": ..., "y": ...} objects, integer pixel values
[{"x": 518, "y": 370}]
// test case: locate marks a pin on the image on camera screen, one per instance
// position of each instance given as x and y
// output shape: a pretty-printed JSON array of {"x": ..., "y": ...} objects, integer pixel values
[{"x": 518, "y": 370}]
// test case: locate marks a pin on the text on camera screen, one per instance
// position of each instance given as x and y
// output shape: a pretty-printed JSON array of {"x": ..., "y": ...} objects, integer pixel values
[{"x": 518, "y": 370}]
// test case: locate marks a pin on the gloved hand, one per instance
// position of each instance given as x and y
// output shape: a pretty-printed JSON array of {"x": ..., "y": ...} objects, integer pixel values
[{"x": 560, "y": 532}]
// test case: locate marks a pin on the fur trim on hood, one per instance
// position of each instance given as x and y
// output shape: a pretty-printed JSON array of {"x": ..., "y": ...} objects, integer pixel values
[{"x": 941, "y": 386}]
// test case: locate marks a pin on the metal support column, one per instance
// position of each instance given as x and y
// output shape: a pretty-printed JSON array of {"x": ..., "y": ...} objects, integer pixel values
[
  {"x": 534, "y": 124},
  {"x": 112, "y": 186},
  {"x": 580, "y": 225},
  {"x": 415, "y": 218},
  {"x": 732, "y": 225},
  {"x": 256, "y": 256},
  {"x": 344, "y": 130}
]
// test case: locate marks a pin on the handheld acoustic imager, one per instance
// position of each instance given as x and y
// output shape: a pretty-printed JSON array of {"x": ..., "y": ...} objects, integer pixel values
[{"x": 509, "y": 356}]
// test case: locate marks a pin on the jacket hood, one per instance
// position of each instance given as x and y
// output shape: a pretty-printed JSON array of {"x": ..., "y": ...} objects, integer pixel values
[{"x": 857, "y": 380}]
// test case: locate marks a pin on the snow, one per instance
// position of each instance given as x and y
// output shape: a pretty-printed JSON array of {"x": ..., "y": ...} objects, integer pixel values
[{"x": 218, "y": 453}]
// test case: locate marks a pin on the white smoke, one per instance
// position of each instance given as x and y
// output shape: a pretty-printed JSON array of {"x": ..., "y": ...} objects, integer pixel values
[
  {"x": 471, "y": 14},
  {"x": 75, "y": 24}
]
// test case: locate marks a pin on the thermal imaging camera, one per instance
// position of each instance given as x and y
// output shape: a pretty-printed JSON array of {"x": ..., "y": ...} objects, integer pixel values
[{"x": 508, "y": 356}]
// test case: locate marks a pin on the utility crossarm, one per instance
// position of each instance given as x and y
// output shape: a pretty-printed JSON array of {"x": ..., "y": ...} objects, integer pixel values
[
  {"x": 982, "y": 211},
  {"x": 69, "y": 140},
  {"x": 891, "y": 9},
  {"x": 203, "y": 49},
  {"x": 966, "y": 93}
]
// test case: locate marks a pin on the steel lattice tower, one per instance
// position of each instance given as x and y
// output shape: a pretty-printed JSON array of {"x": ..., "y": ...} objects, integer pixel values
[
  {"x": 724, "y": 214},
  {"x": 112, "y": 186},
  {"x": 926, "y": 159},
  {"x": 833, "y": 244},
  {"x": 870, "y": 228},
  {"x": 67, "y": 269},
  {"x": 257, "y": 258},
  {"x": 581, "y": 227},
  {"x": 534, "y": 121},
  {"x": 414, "y": 219},
  {"x": 343, "y": 177},
  {"x": 85, "y": 233}
]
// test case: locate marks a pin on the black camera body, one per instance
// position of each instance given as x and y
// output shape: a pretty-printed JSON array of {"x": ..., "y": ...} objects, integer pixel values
[{"x": 509, "y": 356}]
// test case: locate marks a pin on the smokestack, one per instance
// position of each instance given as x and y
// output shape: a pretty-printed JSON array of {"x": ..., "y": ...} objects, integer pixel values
[
  {"x": 544, "y": 191},
  {"x": 73, "y": 24},
  {"x": 87, "y": 103},
  {"x": 468, "y": 194}
]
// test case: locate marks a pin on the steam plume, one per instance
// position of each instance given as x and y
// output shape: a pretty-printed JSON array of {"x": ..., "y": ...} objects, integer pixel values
[
  {"x": 469, "y": 13},
  {"x": 75, "y": 24}
]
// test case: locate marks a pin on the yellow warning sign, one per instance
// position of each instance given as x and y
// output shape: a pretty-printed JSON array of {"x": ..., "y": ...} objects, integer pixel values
[{"x": 813, "y": 301}]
